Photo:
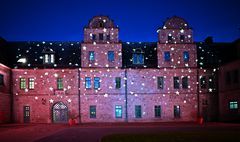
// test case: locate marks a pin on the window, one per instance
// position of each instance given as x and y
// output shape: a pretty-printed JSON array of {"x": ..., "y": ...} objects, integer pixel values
[
  {"x": 49, "y": 58},
  {"x": 31, "y": 83},
  {"x": 110, "y": 56},
  {"x": 96, "y": 82},
  {"x": 186, "y": 56},
  {"x": 22, "y": 83},
  {"x": 210, "y": 82},
  {"x": 93, "y": 37},
  {"x": 235, "y": 76},
  {"x": 118, "y": 82},
  {"x": 118, "y": 111},
  {"x": 138, "y": 57},
  {"x": 176, "y": 111},
  {"x": 182, "y": 37},
  {"x": 101, "y": 36},
  {"x": 176, "y": 82},
  {"x": 167, "y": 56},
  {"x": 87, "y": 82},
  {"x": 108, "y": 37},
  {"x": 138, "y": 111},
  {"x": 1, "y": 79},
  {"x": 59, "y": 83},
  {"x": 203, "y": 82},
  {"x": 170, "y": 38},
  {"x": 92, "y": 111},
  {"x": 185, "y": 82},
  {"x": 91, "y": 56},
  {"x": 157, "y": 110},
  {"x": 228, "y": 78},
  {"x": 233, "y": 105},
  {"x": 160, "y": 82},
  {"x": 101, "y": 24}
]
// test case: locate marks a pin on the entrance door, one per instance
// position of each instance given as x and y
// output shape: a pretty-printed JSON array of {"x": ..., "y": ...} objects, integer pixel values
[
  {"x": 60, "y": 113},
  {"x": 26, "y": 112}
]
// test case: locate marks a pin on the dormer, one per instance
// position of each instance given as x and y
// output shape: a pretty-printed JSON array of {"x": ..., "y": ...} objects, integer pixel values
[
  {"x": 101, "y": 29},
  {"x": 174, "y": 31},
  {"x": 48, "y": 56}
]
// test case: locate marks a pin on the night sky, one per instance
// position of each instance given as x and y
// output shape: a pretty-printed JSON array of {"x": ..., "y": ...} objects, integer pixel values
[{"x": 138, "y": 20}]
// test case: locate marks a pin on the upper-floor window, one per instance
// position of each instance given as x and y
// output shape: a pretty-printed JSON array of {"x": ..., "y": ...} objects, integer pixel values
[
  {"x": 186, "y": 56},
  {"x": 176, "y": 82},
  {"x": 110, "y": 56},
  {"x": 22, "y": 83},
  {"x": 182, "y": 38},
  {"x": 167, "y": 56},
  {"x": 91, "y": 56},
  {"x": 170, "y": 38},
  {"x": 49, "y": 58},
  {"x": 236, "y": 76},
  {"x": 108, "y": 37},
  {"x": 138, "y": 57},
  {"x": 59, "y": 83},
  {"x": 157, "y": 111},
  {"x": 101, "y": 24},
  {"x": 96, "y": 82},
  {"x": 118, "y": 82},
  {"x": 233, "y": 105},
  {"x": 92, "y": 111},
  {"x": 87, "y": 82},
  {"x": 101, "y": 36},
  {"x": 185, "y": 82},
  {"x": 1, "y": 79},
  {"x": 31, "y": 83},
  {"x": 160, "y": 82},
  {"x": 177, "y": 113},
  {"x": 203, "y": 82},
  {"x": 93, "y": 37}
]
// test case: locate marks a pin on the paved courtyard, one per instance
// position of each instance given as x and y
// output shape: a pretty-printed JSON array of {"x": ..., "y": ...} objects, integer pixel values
[{"x": 94, "y": 132}]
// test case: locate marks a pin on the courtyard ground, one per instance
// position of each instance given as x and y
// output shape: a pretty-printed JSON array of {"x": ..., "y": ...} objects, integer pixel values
[{"x": 108, "y": 132}]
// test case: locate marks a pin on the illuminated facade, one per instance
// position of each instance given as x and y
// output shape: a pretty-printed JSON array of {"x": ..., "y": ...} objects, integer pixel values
[{"x": 105, "y": 80}]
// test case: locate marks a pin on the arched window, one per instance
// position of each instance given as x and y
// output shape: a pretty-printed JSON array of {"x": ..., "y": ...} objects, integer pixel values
[
  {"x": 60, "y": 112},
  {"x": 138, "y": 57}
]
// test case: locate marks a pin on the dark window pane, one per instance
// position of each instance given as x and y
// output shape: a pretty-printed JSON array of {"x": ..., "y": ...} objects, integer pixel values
[
  {"x": 176, "y": 111},
  {"x": 185, "y": 82},
  {"x": 176, "y": 82},
  {"x": 110, "y": 56},
  {"x": 93, "y": 37},
  {"x": 160, "y": 82},
  {"x": 1, "y": 79},
  {"x": 138, "y": 111},
  {"x": 157, "y": 110},
  {"x": 186, "y": 56},
  {"x": 167, "y": 56},
  {"x": 235, "y": 76},
  {"x": 92, "y": 111},
  {"x": 203, "y": 82},
  {"x": 100, "y": 36},
  {"x": 170, "y": 38},
  {"x": 108, "y": 37},
  {"x": 182, "y": 37},
  {"x": 118, "y": 82}
]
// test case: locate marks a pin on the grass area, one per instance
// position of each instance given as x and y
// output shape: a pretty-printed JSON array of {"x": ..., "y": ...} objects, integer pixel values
[{"x": 209, "y": 136}]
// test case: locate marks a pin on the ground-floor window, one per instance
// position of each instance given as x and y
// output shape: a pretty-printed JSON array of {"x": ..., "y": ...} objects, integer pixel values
[
  {"x": 26, "y": 111},
  {"x": 138, "y": 111},
  {"x": 92, "y": 111},
  {"x": 118, "y": 111},
  {"x": 60, "y": 112},
  {"x": 177, "y": 111},
  {"x": 233, "y": 105},
  {"x": 157, "y": 110}
]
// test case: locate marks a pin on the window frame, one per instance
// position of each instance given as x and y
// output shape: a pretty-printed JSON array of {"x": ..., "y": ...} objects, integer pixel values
[
  {"x": 117, "y": 82},
  {"x": 177, "y": 111},
  {"x": 185, "y": 82},
  {"x": 231, "y": 105},
  {"x": 96, "y": 82},
  {"x": 31, "y": 83},
  {"x": 91, "y": 56},
  {"x": 157, "y": 111},
  {"x": 187, "y": 54},
  {"x": 59, "y": 83},
  {"x": 23, "y": 83},
  {"x": 176, "y": 86},
  {"x": 111, "y": 56},
  {"x": 92, "y": 111},
  {"x": 160, "y": 82},
  {"x": 118, "y": 109},
  {"x": 138, "y": 111},
  {"x": 88, "y": 80},
  {"x": 167, "y": 56}
]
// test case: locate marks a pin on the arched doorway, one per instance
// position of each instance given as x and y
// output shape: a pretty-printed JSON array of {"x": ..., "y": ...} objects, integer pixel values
[{"x": 60, "y": 113}]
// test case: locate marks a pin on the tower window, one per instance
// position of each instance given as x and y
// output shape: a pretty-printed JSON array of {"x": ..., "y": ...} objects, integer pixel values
[
  {"x": 185, "y": 82},
  {"x": 101, "y": 36},
  {"x": 138, "y": 57},
  {"x": 170, "y": 38},
  {"x": 49, "y": 58},
  {"x": 176, "y": 82},
  {"x": 101, "y": 24},
  {"x": 182, "y": 38},
  {"x": 93, "y": 37},
  {"x": 110, "y": 56},
  {"x": 186, "y": 56},
  {"x": 160, "y": 82},
  {"x": 108, "y": 37},
  {"x": 1, "y": 79},
  {"x": 91, "y": 56},
  {"x": 31, "y": 83}
]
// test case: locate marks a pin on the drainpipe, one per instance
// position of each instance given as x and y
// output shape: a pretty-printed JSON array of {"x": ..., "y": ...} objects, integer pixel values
[
  {"x": 126, "y": 98},
  {"x": 79, "y": 97},
  {"x": 198, "y": 97}
]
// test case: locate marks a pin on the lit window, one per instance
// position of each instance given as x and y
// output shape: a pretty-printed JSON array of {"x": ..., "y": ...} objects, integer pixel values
[
  {"x": 110, "y": 56},
  {"x": 49, "y": 58},
  {"x": 185, "y": 82},
  {"x": 203, "y": 82},
  {"x": 157, "y": 111},
  {"x": 118, "y": 111},
  {"x": 118, "y": 82},
  {"x": 52, "y": 58},
  {"x": 87, "y": 82},
  {"x": 59, "y": 83},
  {"x": 176, "y": 111},
  {"x": 160, "y": 82},
  {"x": 46, "y": 58},
  {"x": 167, "y": 56},
  {"x": 22, "y": 83},
  {"x": 96, "y": 82},
  {"x": 138, "y": 57},
  {"x": 233, "y": 105},
  {"x": 138, "y": 111},
  {"x": 92, "y": 111},
  {"x": 91, "y": 56},
  {"x": 31, "y": 83},
  {"x": 176, "y": 82},
  {"x": 1, "y": 79},
  {"x": 186, "y": 56}
]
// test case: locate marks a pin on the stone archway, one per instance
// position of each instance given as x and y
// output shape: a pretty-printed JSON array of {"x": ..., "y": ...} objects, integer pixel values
[{"x": 59, "y": 113}]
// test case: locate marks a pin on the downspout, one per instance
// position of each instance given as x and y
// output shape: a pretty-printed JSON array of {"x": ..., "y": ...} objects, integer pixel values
[
  {"x": 198, "y": 97},
  {"x": 126, "y": 97},
  {"x": 79, "y": 101}
]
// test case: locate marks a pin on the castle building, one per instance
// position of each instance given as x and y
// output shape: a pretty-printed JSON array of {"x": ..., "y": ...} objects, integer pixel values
[{"x": 105, "y": 80}]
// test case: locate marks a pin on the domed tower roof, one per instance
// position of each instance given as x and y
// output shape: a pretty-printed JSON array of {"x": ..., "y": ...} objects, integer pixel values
[
  {"x": 176, "y": 22},
  {"x": 101, "y": 22}
]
